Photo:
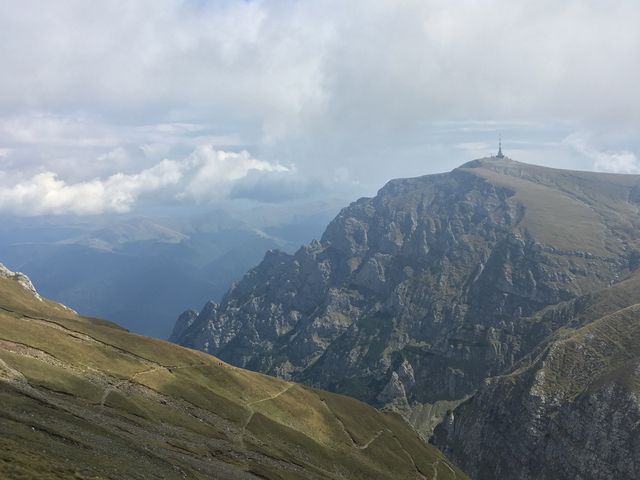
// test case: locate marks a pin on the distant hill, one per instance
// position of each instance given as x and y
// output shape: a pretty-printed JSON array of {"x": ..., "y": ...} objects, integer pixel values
[
  {"x": 143, "y": 271},
  {"x": 82, "y": 398}
]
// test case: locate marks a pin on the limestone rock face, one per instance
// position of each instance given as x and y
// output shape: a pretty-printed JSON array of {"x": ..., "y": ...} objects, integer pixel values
[
  {"x": 416, "y": 296},
  {"x": 570, "y": 410},
  {"x": 185, "y": 320}
]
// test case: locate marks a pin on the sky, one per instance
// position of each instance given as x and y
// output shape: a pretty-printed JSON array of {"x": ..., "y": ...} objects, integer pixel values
[{"x": 115, "y": 106}]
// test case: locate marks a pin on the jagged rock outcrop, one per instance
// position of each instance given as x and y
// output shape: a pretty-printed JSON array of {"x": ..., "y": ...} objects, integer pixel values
[
  {"x": 21, "y": 279},
  {"x": 185, "y": 320},
  {"x": 572, "y": 410},
  {"x": 441, "y": 276}
]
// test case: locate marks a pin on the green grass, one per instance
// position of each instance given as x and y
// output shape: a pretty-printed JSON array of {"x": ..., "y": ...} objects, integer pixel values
[
  {"x": 84, "y": 399},
  {"x": 20, "y": 462},
  {"x": 567, "y": 209},
  {"x": 41, "y": 374}
]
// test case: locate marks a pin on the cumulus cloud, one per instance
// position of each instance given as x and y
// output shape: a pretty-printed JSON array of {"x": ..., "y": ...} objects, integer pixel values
[
  {"x": 45, "y": 193},
  {"x": 622, "y": 161},
  {"x": 212, "y": 172},
  {"x": 387, "y": 88},
  {"x": 204, "y": 176}
]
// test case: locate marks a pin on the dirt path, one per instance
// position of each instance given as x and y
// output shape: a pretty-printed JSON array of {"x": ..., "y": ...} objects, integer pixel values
[
  {"x": 116, "y": 386},
  {"x": 419, "y": 474},
  {"x": 252, "y": 411},
  {"x": 348, "y": 435},
  {"x": 366, "y": 445},
  {"x": 132, "y": 379},
  {"x": 272, "y": 396}
]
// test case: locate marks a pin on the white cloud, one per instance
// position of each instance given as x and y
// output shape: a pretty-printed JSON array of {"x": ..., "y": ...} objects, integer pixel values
[
  {"x": 616, "y": 162},
  {"x": 376, "y": 85},
  {"x": 280, "y": 65},
  {"x": 45, "y": 193},
  {"x": 622, "y": 161},
  {"x": 204, "y": 176},
  {"x": 214, "y": 170}
]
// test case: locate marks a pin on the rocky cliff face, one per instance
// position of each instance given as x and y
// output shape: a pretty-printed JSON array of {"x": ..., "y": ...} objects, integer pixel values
[
  {"x": 572, "y": 410},
  {"x": 413, "y": 298}
]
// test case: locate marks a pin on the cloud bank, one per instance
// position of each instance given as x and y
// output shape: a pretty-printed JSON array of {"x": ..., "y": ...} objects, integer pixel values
[
  {"x": 366, "y": 90},
  {"x": 204, "y": 176},
  {"x": 605, "y": 161}
]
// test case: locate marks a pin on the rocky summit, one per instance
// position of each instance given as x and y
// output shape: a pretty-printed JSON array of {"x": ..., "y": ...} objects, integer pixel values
[{"x": 413, "y": 298}]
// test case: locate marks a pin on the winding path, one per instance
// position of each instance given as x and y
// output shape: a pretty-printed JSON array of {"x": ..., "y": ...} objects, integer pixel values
[
  {"x": 252, "y": 411},
  {"x": 132, "y": 379},
  {"x": 366, "y": 445}
]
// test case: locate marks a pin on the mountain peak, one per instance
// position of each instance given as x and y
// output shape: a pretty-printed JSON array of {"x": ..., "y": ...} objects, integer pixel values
[
  {"x": 491, "y": 162},
  {"x": 435, "y": 270}
]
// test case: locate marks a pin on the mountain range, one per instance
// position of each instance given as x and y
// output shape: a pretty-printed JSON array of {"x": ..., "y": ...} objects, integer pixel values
[
  {"x": 498, "y": 297},
  {"x": 491, "y": 313},
  {"x": 142, "y": 271}
]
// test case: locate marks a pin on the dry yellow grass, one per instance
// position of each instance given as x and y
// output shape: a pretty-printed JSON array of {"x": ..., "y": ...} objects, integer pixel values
[{"x": 95, "y": 401}]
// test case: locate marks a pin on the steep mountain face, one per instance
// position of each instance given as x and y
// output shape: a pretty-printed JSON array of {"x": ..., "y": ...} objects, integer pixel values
[
  {"x": 570, "y": 410},
  {"x": 84, "y": 399},
  {"x": 413, "y": 298}
]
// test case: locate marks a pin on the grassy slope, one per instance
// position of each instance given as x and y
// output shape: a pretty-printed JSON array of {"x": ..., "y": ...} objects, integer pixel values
[
  {"x": 82, "y": 398},
  {"x": 598, "y": 352},
  {"x": 575, "y": 396},
  {"x": 569, "y": 210}
]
